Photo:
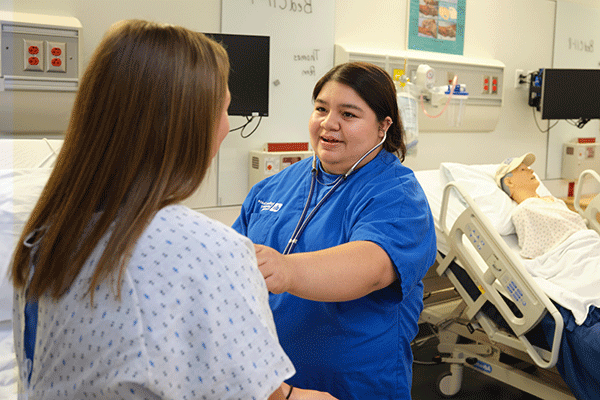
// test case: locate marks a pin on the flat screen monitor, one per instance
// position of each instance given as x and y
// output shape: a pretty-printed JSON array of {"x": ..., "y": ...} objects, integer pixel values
[
  {"x": 249, "y": 73},
  {"x": 570, "y": 93}
]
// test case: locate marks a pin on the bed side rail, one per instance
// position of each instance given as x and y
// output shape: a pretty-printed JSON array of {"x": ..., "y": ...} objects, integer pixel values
[
  {"x": 589, "y": 214},
  {"x": 495, "y": 268}
]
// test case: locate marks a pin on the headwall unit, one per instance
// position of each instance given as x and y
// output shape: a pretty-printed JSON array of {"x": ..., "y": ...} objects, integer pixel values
[{"x": 482, "y": 78}]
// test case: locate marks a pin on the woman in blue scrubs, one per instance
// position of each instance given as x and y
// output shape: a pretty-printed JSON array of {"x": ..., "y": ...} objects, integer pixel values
[{"x": 343, "y": 241}]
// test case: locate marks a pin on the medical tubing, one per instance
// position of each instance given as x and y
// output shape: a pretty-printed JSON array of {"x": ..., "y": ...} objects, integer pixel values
[
  {"x": 291, "y": 243},
  {"x": 299, "y": 230},
  {"x": 351, "y": 170},
  {"x": 303, "y": 223},
  {"x": 453, "y": 88}
]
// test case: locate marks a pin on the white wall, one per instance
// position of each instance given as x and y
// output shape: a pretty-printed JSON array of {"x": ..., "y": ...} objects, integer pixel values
[{"x": 519, "y": 33}]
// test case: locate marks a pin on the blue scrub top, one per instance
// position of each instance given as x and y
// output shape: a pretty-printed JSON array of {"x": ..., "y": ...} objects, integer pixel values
[{"x": 357, "y": 349}]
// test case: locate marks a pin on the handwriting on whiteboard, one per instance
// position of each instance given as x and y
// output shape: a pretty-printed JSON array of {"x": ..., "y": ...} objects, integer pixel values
[
  {"x": 309, "y": 58},
  {"x": 581, "y": 45},
  {"x": 299, "y": 6}
]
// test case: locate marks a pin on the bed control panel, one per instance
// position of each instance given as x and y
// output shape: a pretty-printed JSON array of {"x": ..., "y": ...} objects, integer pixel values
[{"x": 518, "y": 294}]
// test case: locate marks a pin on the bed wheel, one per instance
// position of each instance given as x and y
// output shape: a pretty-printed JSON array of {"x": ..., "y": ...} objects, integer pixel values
[{"x": 447, "y": 385}]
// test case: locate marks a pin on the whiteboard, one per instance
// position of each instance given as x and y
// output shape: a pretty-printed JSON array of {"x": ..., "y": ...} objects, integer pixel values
[
  {"x": 576, "y": 45},
  {"x": 302, "y": 39}
]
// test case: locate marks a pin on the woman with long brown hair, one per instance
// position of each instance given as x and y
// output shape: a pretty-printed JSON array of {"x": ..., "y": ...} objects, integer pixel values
[{"x": 120, "y": 292}]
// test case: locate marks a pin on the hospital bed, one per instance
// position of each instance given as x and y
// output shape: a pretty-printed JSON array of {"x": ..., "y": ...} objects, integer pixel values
[
  {"x": 25, "y": 166},
  {"x": 490, "y": 324}
]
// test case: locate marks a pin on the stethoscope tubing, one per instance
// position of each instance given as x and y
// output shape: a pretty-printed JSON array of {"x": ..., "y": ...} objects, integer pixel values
[{"x": 302, "y": 222}]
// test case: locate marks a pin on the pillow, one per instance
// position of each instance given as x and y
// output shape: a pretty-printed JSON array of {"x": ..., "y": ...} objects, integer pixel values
[
  {"x": 478, "y": 181},
  {"x": 19, "y": 193}
]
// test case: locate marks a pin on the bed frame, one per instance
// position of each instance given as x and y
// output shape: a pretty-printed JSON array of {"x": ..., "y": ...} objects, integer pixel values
[{"x": 465, "y": 330}]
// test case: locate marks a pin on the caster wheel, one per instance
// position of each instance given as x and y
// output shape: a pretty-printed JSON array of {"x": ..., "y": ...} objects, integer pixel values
[{"x": 447, "y": 386}]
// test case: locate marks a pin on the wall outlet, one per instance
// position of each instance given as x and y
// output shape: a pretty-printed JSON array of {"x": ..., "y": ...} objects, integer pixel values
[
  {"x": 518, "y": 74},
  {"x": 33, "y": 55},
  {"x": 56, "y": 57}
]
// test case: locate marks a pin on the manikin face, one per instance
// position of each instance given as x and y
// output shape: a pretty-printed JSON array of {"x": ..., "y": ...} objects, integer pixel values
[
  {"x": 343, "y": 128},
  {"x": 222, "y": 125},
  {"x": 522, "y": 178}
]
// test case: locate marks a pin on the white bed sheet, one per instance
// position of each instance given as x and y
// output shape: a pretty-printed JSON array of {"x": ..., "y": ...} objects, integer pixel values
[{"x": 432, "y": 183}]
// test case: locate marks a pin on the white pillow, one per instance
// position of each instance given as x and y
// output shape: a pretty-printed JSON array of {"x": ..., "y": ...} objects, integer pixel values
[
  {"x": 20, "y": 190},
  {"x": 478, "y": 181}
]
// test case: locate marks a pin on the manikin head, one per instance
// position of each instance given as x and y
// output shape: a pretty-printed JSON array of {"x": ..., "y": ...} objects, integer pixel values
[{"x": 516, "y": 179}]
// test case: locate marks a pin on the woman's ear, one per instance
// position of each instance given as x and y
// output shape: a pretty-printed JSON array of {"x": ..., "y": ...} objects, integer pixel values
[{"x": 385, "y": 125}]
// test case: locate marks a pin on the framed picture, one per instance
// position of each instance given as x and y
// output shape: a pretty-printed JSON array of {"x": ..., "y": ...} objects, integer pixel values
[{"x": 437, "y": 25}]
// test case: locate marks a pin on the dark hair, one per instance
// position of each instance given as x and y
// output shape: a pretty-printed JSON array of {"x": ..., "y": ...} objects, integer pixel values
[
  {"x": 140, "y": 138},
  {"x": 377, "y": 89}
]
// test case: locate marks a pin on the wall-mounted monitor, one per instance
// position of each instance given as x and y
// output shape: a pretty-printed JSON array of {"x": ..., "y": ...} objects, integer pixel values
[
  {"x": 249, "y": 74},
  {"x": 570, "y": 93}
]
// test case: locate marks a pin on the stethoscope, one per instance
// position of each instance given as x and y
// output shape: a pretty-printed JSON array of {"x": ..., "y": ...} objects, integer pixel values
[{"x": 304, "y": 220}]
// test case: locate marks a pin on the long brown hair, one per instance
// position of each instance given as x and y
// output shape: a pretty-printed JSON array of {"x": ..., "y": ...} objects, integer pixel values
[
  {"x": 140, "y": 138},
  {"x": 377, "y": 89}
]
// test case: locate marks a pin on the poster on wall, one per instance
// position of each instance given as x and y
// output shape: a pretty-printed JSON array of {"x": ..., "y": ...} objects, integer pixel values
[{"x": 437, "y": 25}]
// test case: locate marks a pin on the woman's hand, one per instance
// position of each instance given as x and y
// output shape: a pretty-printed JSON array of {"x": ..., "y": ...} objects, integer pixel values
[{"x": 274, "y": 268}]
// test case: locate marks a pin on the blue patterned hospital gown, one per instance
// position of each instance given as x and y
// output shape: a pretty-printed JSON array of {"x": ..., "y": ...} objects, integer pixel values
[{"x": 193, "y": 323}]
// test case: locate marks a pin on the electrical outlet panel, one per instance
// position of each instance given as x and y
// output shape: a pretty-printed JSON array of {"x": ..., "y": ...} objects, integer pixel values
[
  {"x": 40, "y": 68},
  {"x": 56, "y": 56},
  {"x": 33, "y": 59},
  {"x": 494, "y": 87},
  {"x": 39, "y": 52},
  {"x": 486, "y": 84}
]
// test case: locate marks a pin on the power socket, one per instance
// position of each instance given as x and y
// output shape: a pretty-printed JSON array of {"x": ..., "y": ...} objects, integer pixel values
[
  {"x": 33, "y": 55},
  {"x": 522, "y": 78},
  {"x": 56, "y": 56},
  {"x": 519, "y": 73}
]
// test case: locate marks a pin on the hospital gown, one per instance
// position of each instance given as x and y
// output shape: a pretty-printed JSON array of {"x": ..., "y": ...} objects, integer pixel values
[
  {"x": 544, "y": 223},
  {"x": 193, "y": 323}
]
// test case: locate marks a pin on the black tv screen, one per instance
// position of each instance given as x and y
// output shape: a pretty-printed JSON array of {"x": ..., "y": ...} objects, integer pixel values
[
  {"x": 570, "y": 94},
  {"x": 249, "y": 74}
]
